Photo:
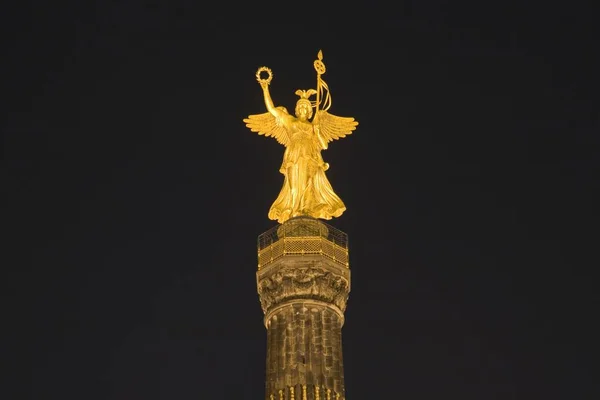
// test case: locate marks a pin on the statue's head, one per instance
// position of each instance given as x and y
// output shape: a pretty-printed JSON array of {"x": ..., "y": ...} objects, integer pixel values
[
  {"x": 303, "y": 105},
  {"x": 303, "y": 109}
]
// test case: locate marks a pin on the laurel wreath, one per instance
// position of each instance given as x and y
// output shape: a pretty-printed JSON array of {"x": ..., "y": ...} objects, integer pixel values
[{"x": 266, "y": 80}]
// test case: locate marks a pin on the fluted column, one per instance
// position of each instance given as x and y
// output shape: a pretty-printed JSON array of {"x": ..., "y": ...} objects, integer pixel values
[{"x": 303, "y": 284}]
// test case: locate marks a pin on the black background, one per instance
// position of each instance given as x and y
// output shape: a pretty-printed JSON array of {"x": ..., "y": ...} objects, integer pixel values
[{"x": 135, "y": 194}]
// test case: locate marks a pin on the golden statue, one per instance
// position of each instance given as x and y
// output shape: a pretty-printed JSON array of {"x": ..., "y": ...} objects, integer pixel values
[{"x": 306, "y": 190}]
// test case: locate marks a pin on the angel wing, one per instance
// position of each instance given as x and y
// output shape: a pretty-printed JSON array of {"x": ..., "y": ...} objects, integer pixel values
[
  {"x": 269, "y": 125},
  {"x": 330, "y": 127}
]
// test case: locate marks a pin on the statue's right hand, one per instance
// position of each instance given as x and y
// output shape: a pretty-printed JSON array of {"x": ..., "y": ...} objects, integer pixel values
[{"x": 264, "y": 82}]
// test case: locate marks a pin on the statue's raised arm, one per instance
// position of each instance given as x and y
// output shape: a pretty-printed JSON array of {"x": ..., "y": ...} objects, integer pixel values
[
  {"x": 275, "y": 122},
  {"x": 264, "y": 84}
]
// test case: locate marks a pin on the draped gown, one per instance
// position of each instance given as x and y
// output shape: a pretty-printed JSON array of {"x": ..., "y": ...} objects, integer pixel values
[{"x": 306, "y": 189}]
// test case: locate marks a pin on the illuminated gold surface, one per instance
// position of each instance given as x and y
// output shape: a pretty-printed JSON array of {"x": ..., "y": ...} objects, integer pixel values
[
  {"x": 304, "y": 237},
  {"x": 306, "y": 190}
]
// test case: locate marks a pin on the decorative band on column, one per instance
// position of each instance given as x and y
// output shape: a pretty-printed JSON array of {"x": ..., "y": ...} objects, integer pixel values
[
  {"x": 292, "y": 279},
  {"x": 306, "y": 303},
  {"x": 289, "y": 393}
]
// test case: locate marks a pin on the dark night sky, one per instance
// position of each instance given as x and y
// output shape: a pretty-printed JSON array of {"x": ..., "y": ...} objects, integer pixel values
[{"x": 134, "y": 195}]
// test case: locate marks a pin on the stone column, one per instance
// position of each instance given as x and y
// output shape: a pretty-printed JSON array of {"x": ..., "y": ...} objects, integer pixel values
[{"x": 303, "y": 283}]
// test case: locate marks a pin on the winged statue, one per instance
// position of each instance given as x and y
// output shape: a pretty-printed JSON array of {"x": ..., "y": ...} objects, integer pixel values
[{"x": 306, "y": 190}]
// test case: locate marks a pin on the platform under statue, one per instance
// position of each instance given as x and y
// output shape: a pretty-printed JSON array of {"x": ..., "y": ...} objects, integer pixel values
[{"x": 306, "y": 190}]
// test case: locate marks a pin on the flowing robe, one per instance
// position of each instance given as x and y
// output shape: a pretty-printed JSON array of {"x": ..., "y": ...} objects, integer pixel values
[{"x": 306, "y": 190}]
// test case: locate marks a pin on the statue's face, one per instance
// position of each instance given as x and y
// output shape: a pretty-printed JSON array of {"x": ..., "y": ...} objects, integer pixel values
[{"x": 303, "y": 111}]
